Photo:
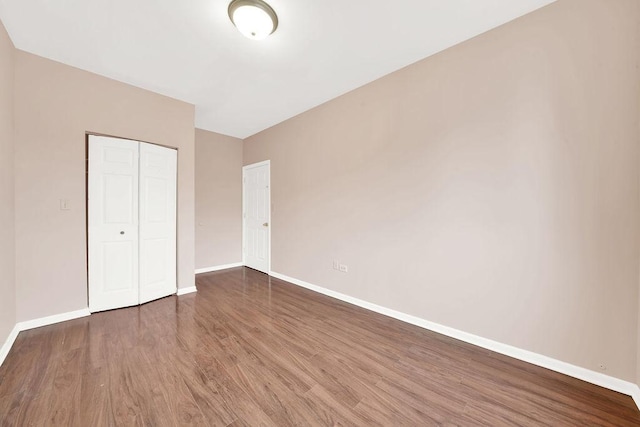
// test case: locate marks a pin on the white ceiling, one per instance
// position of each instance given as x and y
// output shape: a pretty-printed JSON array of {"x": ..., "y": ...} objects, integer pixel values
[{"x": 189, "y": 50}]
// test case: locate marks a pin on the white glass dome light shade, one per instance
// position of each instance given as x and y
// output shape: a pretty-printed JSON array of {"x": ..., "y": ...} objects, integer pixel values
[
  {"x": 253, "y": 18},
  {"x": 253, "y": 22}
]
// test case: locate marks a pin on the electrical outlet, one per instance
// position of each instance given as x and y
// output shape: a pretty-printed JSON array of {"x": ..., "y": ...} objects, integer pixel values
[
  {"x": 343, "y": 268},
  {"x": 336, "y": 264},
  {"x": 65, "y": 205}
]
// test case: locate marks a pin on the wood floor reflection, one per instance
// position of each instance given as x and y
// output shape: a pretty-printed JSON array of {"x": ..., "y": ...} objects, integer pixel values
[{"x": 249, "y": 350}]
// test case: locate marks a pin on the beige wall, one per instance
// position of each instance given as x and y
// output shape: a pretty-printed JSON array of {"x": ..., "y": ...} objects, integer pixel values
[
  {"x": 7, "y": 247},
  {"x": 218, "y": 199},
  {"x": 492, "y": 188},
  {"x": 55, "y": 105}
]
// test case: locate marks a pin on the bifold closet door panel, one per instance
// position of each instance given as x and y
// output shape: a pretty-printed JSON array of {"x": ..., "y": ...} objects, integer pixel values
[
  {"x": 113, "y": 223},
  {"x": 158, "y": 173}
]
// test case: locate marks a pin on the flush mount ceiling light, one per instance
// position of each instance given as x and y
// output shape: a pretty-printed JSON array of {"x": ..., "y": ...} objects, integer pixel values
[{"x": 253, "y": 18}]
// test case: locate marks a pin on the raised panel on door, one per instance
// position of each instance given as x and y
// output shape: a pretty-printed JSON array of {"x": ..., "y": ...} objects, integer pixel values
[
  {"x": 257, "y": 207},
  {"x": 112, "y": 223},
  {"x": 158, "y": 167}
]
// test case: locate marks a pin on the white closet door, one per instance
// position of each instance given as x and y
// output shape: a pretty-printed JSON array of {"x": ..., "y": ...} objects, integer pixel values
[
  {"x": 158, "y": 166},
  {"x": 113, "y": 223}
]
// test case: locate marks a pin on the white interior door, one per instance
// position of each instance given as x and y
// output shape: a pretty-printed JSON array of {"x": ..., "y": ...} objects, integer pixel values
[
  {"x": 131, "y": 222},
  {"x": 113, "y": 223},
  {"x": 158, "y": 166},
  {"x": 257, "y": 216}
]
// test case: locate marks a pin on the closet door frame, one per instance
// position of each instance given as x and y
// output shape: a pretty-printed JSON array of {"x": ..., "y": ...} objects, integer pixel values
[{"x": 88, "y": 136}]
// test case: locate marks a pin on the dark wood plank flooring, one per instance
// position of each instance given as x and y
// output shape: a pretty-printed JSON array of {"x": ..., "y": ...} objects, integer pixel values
[{"x": 249, "y": 350}]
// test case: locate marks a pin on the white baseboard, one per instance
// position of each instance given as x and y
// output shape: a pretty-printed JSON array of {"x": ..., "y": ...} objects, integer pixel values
[
  {"x": 8, "y": 343},
  {"x": 218, "y": 267},
  {"x": 184, "y": 291},
  {"x": 636, "y": 395},
  {"x": 584, "y": 374},
  {"x": 50, "y": 320},
  {"x": 36, "y": 323}
]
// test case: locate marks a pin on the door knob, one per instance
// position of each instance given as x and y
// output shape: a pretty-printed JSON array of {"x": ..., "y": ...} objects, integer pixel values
[
  {"x": 266, "y": 224},
  {"x": 122, "y": 232}
]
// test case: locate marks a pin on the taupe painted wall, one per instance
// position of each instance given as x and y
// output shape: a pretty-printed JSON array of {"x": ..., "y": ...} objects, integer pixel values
[
  {"x": 54, "y": 106},
  {"x": 492, "y": 188},
  {"x": 218, "y": 199},
  {"x": 7, "y": 247}
]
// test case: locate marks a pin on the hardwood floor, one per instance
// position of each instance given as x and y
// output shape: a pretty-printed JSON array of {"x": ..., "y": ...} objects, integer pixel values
[{"x": 249, "y": 350}]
